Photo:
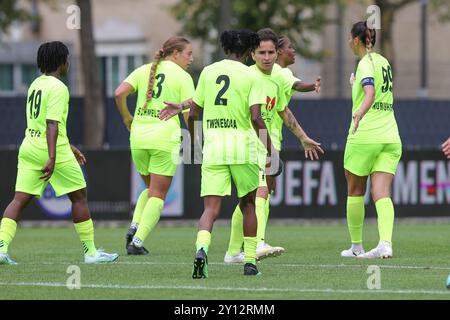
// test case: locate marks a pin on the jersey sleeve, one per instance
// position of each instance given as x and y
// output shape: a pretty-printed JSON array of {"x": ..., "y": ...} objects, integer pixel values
[
  {"x": 256, "y": 94},
  {"x": 57, "y": 103},
  {"x": 199, "y": 95},
  {"x": 365, "y": 72},
  {"x": 282, "y": 102},
  {"x": 289, "y": 80},
  {"x": 133, "y": 78}
]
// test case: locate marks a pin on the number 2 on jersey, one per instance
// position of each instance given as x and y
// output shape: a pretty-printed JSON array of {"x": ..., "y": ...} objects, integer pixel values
[
  {"x": 219, "y": 100},
  {"x": 35, "y": 104}
]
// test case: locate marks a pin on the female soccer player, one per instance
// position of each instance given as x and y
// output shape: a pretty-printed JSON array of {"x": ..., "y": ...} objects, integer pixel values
[
  {"x": 154, "y": 143},
  {"x": 45, "y": 155},
  {"x": 231, "y": 101},
  {"x": 373, "y": 144},
  {"x": 273, "y": 85}
]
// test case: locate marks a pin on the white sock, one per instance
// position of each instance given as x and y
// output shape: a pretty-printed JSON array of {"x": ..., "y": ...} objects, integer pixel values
[
  {"x": 137, "y": 242},
  {"x": 134, "y": 225},
  {"x": 357, "y": 247},
  {"x": 384, "y": 243}
]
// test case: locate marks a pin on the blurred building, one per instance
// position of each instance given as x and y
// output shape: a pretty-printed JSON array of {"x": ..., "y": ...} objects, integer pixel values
[{"x": 127, "y": 33}]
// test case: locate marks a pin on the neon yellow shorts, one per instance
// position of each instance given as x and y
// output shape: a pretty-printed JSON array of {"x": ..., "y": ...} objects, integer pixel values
[
  {"x": 216, "y": 179},
  {"x": 66, "y": 178},
  {"x": 154, "y": 161},
  {"x": 365, "y": 159},
  {"x": 67, "y": 175}
]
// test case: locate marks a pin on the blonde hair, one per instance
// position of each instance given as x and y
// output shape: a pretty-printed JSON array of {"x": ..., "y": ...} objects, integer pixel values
[{"x": 172, "y": 44}]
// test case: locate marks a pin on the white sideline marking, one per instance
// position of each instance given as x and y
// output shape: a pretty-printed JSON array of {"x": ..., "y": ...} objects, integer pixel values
[
  {"x": 294, "y": 265},
  {"x": 118, "y": 286}
]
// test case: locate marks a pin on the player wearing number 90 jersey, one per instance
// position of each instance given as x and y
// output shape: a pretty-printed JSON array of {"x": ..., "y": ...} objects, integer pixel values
[
  {"x": 155, "y": 143},
  {"x": 373, "y": 144}
]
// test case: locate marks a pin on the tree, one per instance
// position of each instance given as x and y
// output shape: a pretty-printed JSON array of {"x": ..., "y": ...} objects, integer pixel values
[
  {"x": 389, "y": 8},
  {"x": 10, "y": 12},
  {"x": 94, "y": 111},
  {"x": 300, "y": 20}
]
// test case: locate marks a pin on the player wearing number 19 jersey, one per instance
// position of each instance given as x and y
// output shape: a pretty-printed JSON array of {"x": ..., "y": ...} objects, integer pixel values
[
  {"x": 373, "y": 144},
  {"x": 155, "y": 143},
  {"x": 45, "y": 155}
]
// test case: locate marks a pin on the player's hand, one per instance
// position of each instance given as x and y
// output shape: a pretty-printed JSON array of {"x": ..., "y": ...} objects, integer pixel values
[
  {"x": 357, "y": 116},
  {"x": 317, "y": 85},
  {"x": 127, "y": 121},
  {"x": 78, "y": 155},
  {"x": 48, "y": 169},
  {"x": 171, "y": 110},
  {"x": 311, "y": 148},
  {"x": 446, "y": 148},
  {"x": 352, "y": 79}
]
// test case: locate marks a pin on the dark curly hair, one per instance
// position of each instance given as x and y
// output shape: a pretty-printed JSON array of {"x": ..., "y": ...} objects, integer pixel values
[
  {"x": 239, "y": 41},
  {"x": 51, "y": 55}
]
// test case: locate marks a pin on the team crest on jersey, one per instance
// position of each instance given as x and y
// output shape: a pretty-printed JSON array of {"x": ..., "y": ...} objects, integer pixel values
[{"x": 270, "y": 103}]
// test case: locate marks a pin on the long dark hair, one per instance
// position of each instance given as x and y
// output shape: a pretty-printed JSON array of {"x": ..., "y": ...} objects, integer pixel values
[{"x": 365, "y": 34}]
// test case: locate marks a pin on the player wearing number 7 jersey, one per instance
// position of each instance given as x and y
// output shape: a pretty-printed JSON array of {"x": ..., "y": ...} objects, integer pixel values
[
  {"x": 373, "y": 144},
  {"x": 45, "y": 155},
  {"x": 155, "y": 144}
]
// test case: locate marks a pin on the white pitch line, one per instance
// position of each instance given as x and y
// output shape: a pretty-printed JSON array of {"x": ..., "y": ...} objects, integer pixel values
[
  {"x": 293, "y": 265},
  {"x": 152, "y": 287}
]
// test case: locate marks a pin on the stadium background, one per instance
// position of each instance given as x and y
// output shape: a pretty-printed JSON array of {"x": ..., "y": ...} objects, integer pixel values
[{"x": 124, "y": 39}]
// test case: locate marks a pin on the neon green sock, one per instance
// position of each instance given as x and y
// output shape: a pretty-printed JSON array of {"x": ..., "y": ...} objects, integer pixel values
[
  {"x": 139, "y": 208},
  {"x": 385, "y": 212},
  {"x": 237, "y": 232},
  {"x": 85, "y": 231},
  {"x": 250, "y": 249},
  {"x": 150, "y": 217},
  {"x": 8, "y": 229},
  {"x": 355, "y": 218},
  {"x": 203, "y": 240},
  {"x": 260, "y": 209}
]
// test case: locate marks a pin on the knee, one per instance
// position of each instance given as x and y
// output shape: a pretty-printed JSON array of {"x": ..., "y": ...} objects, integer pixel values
[
  {"x": 212, "y": 213},
  {"x": 79, "y": 196}
]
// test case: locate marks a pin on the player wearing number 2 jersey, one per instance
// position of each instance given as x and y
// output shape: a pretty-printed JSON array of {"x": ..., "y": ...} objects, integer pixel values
[
  {"x": 155, "y": 143},
  {"x": 45, "y": 155},
  {"x": 231, "y": 100},
  {"x": 373, "y": 145}
]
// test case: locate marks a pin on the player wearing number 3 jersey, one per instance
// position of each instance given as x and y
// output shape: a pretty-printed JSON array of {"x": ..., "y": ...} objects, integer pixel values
[
  {"x": 373, "y": 144},
  {"x": 155, "y": 143}
]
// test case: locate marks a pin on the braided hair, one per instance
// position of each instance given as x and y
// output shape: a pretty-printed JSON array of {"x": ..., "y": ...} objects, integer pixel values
[
  {"x": 365, "y": 34},
  {"x": 172, "y": 44}
]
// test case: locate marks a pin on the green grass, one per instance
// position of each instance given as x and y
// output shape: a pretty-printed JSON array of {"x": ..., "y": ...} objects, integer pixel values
[{"x": 310, "y": 269}]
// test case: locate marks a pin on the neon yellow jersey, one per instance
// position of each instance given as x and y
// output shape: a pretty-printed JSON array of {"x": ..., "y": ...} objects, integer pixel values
[
  {"x": 273, "y": 87},
  {"x": 173, "y": 84},
  {"x": 226, "y": 90},
  {"x": 289, "y": 80},
  {"x": 378, "y": 125},
  {"x": 47, "y": 99}
]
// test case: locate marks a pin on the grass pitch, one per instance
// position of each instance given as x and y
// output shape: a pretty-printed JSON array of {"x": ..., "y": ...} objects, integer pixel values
[{"x": 310, "y": 269}]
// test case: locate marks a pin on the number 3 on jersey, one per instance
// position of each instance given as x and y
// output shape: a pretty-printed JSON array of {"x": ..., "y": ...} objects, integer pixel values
[
  {"x": 160, "y": 77},
  {"x": 35, "y": 103},
  {"x": 219, "y": 100}
]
